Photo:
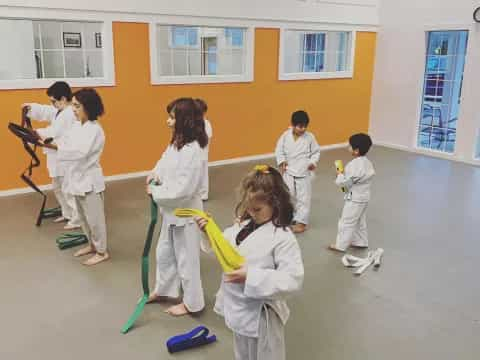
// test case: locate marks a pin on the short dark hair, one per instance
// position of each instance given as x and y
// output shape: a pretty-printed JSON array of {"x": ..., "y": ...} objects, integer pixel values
[
  {"x": 60, "y": 89},
  {"x": 361, "y": 142},
  {"x": 202, "y": 105},
  {"x": 91, "y": 101},
  {"x": 300, "y": 117}
]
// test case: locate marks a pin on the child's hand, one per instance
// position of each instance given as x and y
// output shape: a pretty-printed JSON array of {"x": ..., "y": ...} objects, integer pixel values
[
  {"x": 201, "y": 222},
  {"x": 283, "y": 167},
  {"x": 237, "y": 276},
  {"x": 312, "y": 167},
  {"x": 154, "y": 178},
  {"x": 26, "y": 105}
]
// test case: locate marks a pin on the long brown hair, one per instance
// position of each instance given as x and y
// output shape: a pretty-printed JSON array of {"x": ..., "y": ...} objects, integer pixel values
[
  {"x": 189, "y": 126},
  {"x": 266, "y": 184}
]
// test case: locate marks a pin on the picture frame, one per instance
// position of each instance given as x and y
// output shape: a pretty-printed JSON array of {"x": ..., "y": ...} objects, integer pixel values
[
  {"x": 72, "y": 40},
  {"x": 98, "y": 40}
]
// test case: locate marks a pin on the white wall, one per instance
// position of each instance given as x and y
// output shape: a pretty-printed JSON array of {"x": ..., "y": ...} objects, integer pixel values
[
  {"x": 400, "y": 65},
  {"x": 363, "y": 12}
]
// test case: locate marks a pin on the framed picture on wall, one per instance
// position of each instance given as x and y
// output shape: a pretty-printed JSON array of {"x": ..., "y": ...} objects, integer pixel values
[
  {"x": 72, "y": 40},
  {"x": 98, "y": 40}
]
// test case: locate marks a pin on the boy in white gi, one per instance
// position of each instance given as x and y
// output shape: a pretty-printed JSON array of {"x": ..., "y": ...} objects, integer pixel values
[
  {"x": 203, "y": 108},
  {"x": 356, "y": 180},
  {"x": 177, "y": 177},
  {"x": 61, "y": 118},
  {"x": 252, "y": 298},
  {"x": 81, "y": 150},
  {"x": 297, "y": 155}
]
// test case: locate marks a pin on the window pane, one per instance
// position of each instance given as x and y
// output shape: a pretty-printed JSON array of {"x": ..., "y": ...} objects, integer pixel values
[
  {"x": 316, "y": 52},
  {"x": 92, "y": 35},
  {"x": 180, "y": 62},
  {"x": 184, "y": 51},
  {"x": 194, "y": 62},
  {"x": 444, "y": 64},
  {"x": 51, "y": 35},
  {"x": 94, "y": 63},
  {"x": 74, "y": 64},
  {"x": 17, "y": 60},
  {"x": 53, "y": 64}
]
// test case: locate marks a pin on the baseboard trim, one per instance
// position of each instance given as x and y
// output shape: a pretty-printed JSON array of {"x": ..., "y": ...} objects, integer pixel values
[
  {"x": 427, "y": 153},
  {"x": 133, "y": 175}
]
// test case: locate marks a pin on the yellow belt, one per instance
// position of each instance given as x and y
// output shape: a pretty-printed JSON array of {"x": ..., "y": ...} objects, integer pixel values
[{"x": 226, "y": 254}]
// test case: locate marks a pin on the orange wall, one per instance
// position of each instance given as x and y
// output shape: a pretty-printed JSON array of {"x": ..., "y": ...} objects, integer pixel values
[{"x": 247, "y": 118}]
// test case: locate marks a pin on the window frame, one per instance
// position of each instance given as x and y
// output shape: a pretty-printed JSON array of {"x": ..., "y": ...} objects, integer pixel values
[
  {"x": 249, "y": 45},
  {"x": 347, "y": 74},
  {"x": 108, "y": 78},
  {"x": 421, "y": 88}
]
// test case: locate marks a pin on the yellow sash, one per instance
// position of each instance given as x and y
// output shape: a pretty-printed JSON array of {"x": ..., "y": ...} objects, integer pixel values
[{"x": 226, "y": 254}]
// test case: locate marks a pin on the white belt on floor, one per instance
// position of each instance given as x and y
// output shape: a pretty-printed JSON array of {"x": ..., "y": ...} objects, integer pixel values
[{"x": 362, "y": 264}]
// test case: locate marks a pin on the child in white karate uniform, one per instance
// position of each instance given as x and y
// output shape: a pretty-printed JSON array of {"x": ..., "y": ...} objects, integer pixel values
[
  {"x": 61, "y": 118},
  {"x": 252, "y": 298},
  {"x": 356, "y": 181},
  {"x": 177, "y": 179},
  {"x": 203, "y": 108},
  {"x": 81, "y": 150},
  {"x": 297, "y": 153}
]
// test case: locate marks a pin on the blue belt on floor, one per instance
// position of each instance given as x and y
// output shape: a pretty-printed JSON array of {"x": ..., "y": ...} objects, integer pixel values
[{"x": 196, "y": 337}]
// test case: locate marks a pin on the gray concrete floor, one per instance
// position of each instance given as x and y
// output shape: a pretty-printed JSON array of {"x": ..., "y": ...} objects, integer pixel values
[{"x": 423, "y": 303}]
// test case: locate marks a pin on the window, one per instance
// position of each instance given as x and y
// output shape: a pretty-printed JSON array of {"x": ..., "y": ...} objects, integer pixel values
[
  {"x": 44, "y": 50},
  {"x": 196, "y": 54},
  {"x": 183, "y": 36},
  {"x": 316, "y": 54},
  {"x": 444, "y": 64}
]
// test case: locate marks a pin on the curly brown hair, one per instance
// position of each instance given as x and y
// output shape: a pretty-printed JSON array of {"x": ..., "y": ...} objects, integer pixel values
[{"x": 265, "y": 184}]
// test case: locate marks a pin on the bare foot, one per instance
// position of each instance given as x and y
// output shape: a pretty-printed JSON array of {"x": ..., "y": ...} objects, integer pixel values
[
  {"x": 299, "y": 228},
  {"x": 97, "y": 258},
  {"x": 177, "y": 310},
  {"x": 334, "y": 248},
  {"x": 89, "y": 249}
]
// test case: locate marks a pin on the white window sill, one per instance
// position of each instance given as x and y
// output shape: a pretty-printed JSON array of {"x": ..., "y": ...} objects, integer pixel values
[
  {"x": 201, "y": 79},
  {"x": 316, "y": 75},
  {"x": 45, "y": 83}
]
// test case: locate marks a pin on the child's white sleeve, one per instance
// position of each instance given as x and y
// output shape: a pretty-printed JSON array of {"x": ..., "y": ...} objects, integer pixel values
[
  {"x": 42, "y": 112},
  {"x": 55, "y": 129},
  {"x": 280, "y": 150},
  {"x": 172, "y": 193},
  {"x": 286, "y": 278},
  {"x": 80, "y": 147},
  {"x": 314, "y": 151},
  {"x": 353, "y": 172}
]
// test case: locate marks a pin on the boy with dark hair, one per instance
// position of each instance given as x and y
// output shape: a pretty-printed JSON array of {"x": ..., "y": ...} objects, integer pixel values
[
  {"x": 297, "y": 153},
  {"x": 356, "y": 181},
  {"x": 61, "y": 118}
]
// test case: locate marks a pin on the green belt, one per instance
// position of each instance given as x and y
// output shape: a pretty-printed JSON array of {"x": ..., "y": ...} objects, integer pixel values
[
  {"x": 146, "y": 251},
  {"x": 68, "y": 240}
]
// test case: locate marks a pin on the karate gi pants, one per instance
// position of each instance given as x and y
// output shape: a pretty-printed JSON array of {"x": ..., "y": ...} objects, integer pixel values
[
  {"x": 352, "y": 226},
  {"x": 178, "y": 264}
]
